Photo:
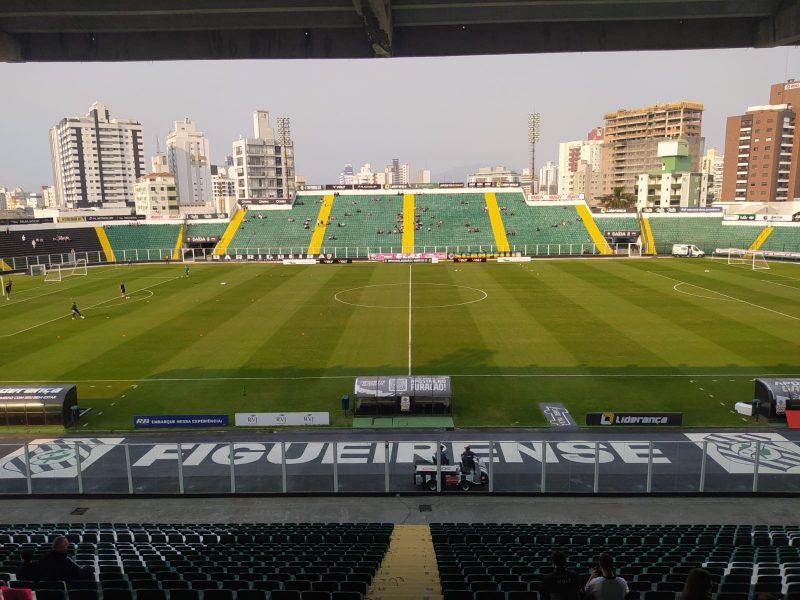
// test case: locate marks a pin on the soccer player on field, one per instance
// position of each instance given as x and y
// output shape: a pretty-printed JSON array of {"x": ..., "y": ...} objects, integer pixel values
[
  {"x": 75, "y": 310},
  {"x": 122, "y": 290},
  {"x": 186, "y": 269},
  {"x": 8, "y": 289}
]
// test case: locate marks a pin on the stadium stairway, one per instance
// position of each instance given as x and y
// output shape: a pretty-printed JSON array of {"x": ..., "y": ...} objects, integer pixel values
[
  {"x": 762, "y": 237},
  {"x": 105, "y": 244},
  {"x": 409, "y": 568},
  {"x": 496, "y": 219},
  {"x": 597, "y": 236},
  {"x": 176, "y": 252},
  {"x": 409, "y": 223},
  {"x": 231, "y": 230},
  {"x": 647, "y": 234},
  {"x": 318, "y": 237}
]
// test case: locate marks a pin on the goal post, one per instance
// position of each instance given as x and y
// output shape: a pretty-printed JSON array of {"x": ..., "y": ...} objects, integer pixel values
[
  {"x": 53, "y": 274},
  {"x": 36, "y": 270},
  {"x": 754, "y": 259},
  {"x": 79, "y": 268}
]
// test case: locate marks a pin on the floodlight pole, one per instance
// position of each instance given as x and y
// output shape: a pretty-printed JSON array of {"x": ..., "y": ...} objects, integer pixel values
[{"x": 534, "y": 131}]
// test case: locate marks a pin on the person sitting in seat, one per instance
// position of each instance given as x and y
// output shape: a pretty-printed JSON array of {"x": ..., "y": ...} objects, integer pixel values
[
  {"x": 561, "y": 584},
  {"x": 57, "y": 566},
  {"x": 26, "y": 571},
  {"x": 603, "y": 583},
  {"x": 467, "y": 460}
]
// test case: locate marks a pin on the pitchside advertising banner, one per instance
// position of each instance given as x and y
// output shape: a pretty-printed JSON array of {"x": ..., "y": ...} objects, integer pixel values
[
  {"x": 628, "y": 418},
  {"x": 159, "y": 421},
  {"x": 282, "y": 419}
]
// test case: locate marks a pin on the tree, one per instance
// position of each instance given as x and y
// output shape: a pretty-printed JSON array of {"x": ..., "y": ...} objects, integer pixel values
[{"x": 619, "y": 198}]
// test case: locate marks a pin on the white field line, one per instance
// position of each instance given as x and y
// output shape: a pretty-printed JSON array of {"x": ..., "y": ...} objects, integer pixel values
[
  {"x": 409, "y": 319},
  {"x": 727, "y": 296},
  {"x": 486, "y": 375},
  {"x": 42, "y": 324},
  {"x": 791, "y": 287}
]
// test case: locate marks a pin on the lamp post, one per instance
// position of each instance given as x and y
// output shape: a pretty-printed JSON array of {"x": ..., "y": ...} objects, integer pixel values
[{"x": 534, "y": 122}]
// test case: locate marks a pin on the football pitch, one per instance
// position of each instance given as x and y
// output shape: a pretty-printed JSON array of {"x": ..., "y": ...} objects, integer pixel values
[{"x": 595, "y": 334}]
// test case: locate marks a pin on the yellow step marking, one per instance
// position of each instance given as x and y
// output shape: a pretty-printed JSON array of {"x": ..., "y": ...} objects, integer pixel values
[
  {"x": 230, "y": 231},
  {"x": 409, "y": 569},
  {"x": 593, "y": 230},
  {"x": 105, "y": 244},
  {"x": 408, "y": 223},
  {"x": 318, "y": 237},
  {"x": 762, "y": 237},
  {"x": 496, "y": 219},
  {"x": 176, "y": 252}
]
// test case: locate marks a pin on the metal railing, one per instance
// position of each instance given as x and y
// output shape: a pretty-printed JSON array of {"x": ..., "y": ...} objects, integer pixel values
[{"x": 712, "y": 463}]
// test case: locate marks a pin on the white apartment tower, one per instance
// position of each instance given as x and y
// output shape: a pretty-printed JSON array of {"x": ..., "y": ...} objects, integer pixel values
[
  {"x": 575, "y": 159},
  {"x": 96, "y": 159},
  {"x": 188, "y": 160},
  {"x": 265, "y": 163},
  {"x": 548, "y": 178}
]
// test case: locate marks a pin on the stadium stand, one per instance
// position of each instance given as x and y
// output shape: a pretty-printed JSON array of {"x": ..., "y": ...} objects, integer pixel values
[
  {"x": 485, "y": 561},
  {"x": 616, "y": 222},
  {"x": 707, "y": 233},
  {"x": 205, "y": 229},
  {"x": 458, "y": 221},
  {"x": 132, "y": 242},
  {"x": 273, "y": 230},
  {"x": 786, "y": 239},
  {"x": 373, "y": 221},
  {"x": 543, "y": 225},
  {"x": 55, "y": 242},
  {"x": 141, "y": 561}
]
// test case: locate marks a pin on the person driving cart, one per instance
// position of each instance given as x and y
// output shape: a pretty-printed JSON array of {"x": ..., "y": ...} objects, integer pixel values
[
  {"x": 444, "y": 460},
  {"x": 467, "y": 460}
]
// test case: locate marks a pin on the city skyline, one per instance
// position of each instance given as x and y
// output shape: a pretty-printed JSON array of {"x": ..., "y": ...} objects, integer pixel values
[{"x": 440, "y": 117}]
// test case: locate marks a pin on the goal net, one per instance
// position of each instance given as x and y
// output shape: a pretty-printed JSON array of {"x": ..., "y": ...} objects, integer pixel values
[
  {"x": 36, "y": 270},
  {"x": 53, "y": 273},
  {"x": 635, "y": 249},
  {"x": 79, "y": 268},
  {"x": 753, "y": 259}
]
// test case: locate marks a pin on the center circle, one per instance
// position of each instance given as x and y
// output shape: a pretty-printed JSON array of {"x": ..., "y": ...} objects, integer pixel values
[{"x": 423, "y": 295}]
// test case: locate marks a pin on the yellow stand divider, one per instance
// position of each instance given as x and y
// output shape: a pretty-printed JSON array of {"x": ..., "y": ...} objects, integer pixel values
[
  {"x": 496, "y": 219},
  {"x": 105, "y": 244},
  {"x": 409, "y": 570},
  {"x": 4, "y": 265},
  {"x": 649, "y": 242},
  {"x": 408, "y": 223},
  {"x": 230, "y": 231},
  {"x": 176, "y": 252},
  {"x": 762, "y": 237},
  {"x": 591, "y": 227},
  {"x": 318, "y": 237}
]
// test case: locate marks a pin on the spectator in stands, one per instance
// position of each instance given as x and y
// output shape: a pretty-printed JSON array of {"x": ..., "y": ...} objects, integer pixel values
[
  {"x": 26, "y": 571},
  {"x": 57, "y": 566},
  {"x": 698, "y": 585},
  {"x": 561, "y": 584},
  {"x": 603, "y": 584}
]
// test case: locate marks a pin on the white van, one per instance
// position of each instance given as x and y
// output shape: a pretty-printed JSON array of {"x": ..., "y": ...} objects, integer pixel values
[{"x": 688, "y": 250}]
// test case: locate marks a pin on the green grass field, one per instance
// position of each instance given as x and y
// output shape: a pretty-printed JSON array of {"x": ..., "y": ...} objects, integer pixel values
[{"x": 659, "y": 334}]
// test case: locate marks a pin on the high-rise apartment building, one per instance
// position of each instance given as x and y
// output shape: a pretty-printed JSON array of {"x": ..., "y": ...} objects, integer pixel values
[
  {"x": 156, "y": 196},
  {"x": 713, "y": 165},
  {"x": 188, "y": 159},
  {"x": 548, "y": 178},
  {"x": 493, "y": 176},
  {"x": 96, "y": 159},
  {"x": 347, "y": 176},
  {"x": 265, "y": 163},
  {"x": 224, "y": 189},
  {"x": 762, "y": 151},
  {"x": 580, "y": 164},
  {"x": 674, "y": 185},
  {"x": 631, "y": 140}
]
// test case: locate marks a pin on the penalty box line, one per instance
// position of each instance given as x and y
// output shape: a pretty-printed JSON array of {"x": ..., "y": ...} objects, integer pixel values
[
  {"x": 42, "y": 324},
  {"x": 777, "y": 312}
]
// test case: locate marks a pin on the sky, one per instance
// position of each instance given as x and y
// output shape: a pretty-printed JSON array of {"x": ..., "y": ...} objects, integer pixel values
[{"x": 449, "y": 115}]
